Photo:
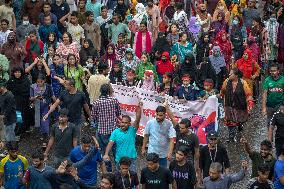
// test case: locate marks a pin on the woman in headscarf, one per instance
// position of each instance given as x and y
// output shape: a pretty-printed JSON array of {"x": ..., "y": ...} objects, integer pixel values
[
  {"x": 87, "y": 51},
  {"x": 148, "y": 82},
  {"x": 34, "y": 47},
  {"x": 144, "y": 65},
  {"x": 166, "y": 87},
  {"x": 129, "y": 62},
  {"x": 238, "y": 36},
  {"x": 180, "y": 17},
  {"x": 67, "y": 46},
  {"x": 218, "y": 62},
  {"x": 169, "y": 11},
  {"x": 188, "y": 66},
  {"x": 142, "y": 40},
  {"x": 194, "y": 28},
  {"x": 110, "y": 55},
  {"x": 161, "y": 44},
  {"x": 249, "y": 68},
  {"x": 205, "y": 71},
  {"x": 154, "y": 19},
  {"x": 237, "y": 102},
  {"x": 164, "y": 66},
  {"x": 14, "y": 51},
  {"x": 19, "y": 85},
  {"x": 204, "y": 18},
  {"x": 181, "y": 48},
  {"x": 254, "y": 47},
  {"x": 121, "y": 9},
  {"x": 218, "y": 25},
  {"x": 221, "y": 8},
  {"x": 226, "y": 46},
  {"x": 202, "y": 48}
]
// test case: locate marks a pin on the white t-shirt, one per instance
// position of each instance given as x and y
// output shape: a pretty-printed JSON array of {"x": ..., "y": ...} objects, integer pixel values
[{"x": 77, "y": 32}]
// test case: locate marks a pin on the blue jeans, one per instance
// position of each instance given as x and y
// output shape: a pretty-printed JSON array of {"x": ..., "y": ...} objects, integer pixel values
[
  {"x": 103, "y": 142},
  {"x": 163, "y": 162},
  {"x": 10, "y": 132}
]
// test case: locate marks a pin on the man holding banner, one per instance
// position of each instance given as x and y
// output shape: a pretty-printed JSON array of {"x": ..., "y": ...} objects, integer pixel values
[{"x": 160, "y": 134}]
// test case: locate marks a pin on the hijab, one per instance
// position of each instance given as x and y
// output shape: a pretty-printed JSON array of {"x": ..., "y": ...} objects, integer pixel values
[
  {"x": 161, "y": 44},
  {"x": 19, "y": 86},
  {"x": 217, "y": 61}
]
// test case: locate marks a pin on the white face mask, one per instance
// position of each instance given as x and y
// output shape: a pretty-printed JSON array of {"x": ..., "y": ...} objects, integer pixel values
[{"x": 25, "y": 22}]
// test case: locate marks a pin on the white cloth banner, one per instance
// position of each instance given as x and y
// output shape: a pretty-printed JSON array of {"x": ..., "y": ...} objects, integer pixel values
[{"x": 203, "y": 114}]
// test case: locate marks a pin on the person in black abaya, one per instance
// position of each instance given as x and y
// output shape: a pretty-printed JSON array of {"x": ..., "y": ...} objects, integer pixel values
[
  {"x": 205, "y": 71},
  {"x": 202, "y": 48},
  {"x": 188, "y": 67},
  {"x": 19, "y": 85},
  {"x": 87, "y": 51},
  {"x": 161, "y": 45}
]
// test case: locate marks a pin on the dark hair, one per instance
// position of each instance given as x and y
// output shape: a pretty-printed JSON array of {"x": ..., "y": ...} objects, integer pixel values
[
  {"x": 48, "y": 15},
  {"x": 25, "y": 15},
  {"x": 38, "y": 154},
  {"x": 47, "y": 3},
  {"x": 102, "y": 66},
  {"x": 105, "y": 89},
  {"x": 264, "y": 167},
  {"x": 34, "y": 32},
  {"x": 7, "y": 1},
  {"x": 63, "y": 112},
  {"x": 5, "y": 20},
  {"x": 12, "y": 145},
  {"x": 266, "y": 143},
  {"x": 69, "y": 55},
  {"x": 273, "y": 65},
  {"x": 184, "y": 150},
  {"x": 121, "y": 35},
  {"x": 169, "y": 75},
  {"x": 109, "y": 177},
  {"x": 18, "y": 69},
  {"x": 179, "y": 6},
  {"x": 143, "y": 22},
  {"x": 183, "y": 33},
  {"x": 172, "y": 25},
  {"x": 118, "y": 15},
  {"x": 209, "y": 81},
  {"x": 282, "y": 150},
  {"x": 237, "y": 72},
  {"x": 186, "y": 122},
  {"x": 69, "y": 36},
  {"x": 127, "y": 117},
  {"x": 161, "y": 109},
  {"x": 153, "y": 157},
  {"x": 74, "y": 13},
  {"x": 104, "y": 7},
  {"x": 55, "y": 38},
  {"x": 89, "y": 13},
  {"x": 86, "y": 139},
  {"x": 71, "y": 81},
  {"x": 41, "y": 77},
  {"x": 125, "y": 161}
]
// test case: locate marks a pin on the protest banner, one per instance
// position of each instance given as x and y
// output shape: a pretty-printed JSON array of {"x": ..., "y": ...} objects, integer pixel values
[{"x": 203, "y": 114}]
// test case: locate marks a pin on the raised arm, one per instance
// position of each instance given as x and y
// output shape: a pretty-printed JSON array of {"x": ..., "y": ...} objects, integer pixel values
[{"x": 138, "y": 115}]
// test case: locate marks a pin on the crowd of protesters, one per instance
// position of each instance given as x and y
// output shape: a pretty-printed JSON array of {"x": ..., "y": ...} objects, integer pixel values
[{"x": 60, "y": 58}]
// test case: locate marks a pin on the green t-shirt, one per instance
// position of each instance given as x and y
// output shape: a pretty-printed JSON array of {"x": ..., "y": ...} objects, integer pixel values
[{"x": 275, "y": 89}]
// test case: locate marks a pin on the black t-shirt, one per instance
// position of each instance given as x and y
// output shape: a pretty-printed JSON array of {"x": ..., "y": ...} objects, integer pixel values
[
  {"x": 255, "y": 184},
  {"x": 189, "y": 140},
  {"x": 184, "y": 176},
  {"x": 63, "y": 141},
  {"x": 74, "y": 103},
  {"x": 206, "y": 158},
  {"x": 124, "y": 182},
  {"x": 278, "y": 121},
  {"x": 160, "y": 179}
]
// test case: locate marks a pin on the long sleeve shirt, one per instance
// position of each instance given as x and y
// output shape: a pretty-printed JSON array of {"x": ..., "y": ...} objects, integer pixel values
[
  {"x": 225, "y": 181},
  {"x": 114, "y": 30}
]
